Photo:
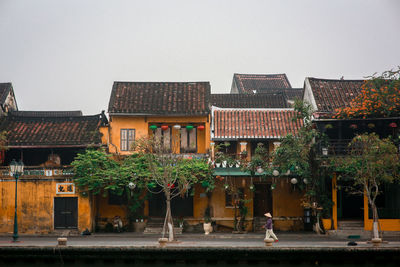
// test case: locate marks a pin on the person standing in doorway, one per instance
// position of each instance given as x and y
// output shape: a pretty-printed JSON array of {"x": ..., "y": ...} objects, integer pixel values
[{"x": 268, "y": 227}]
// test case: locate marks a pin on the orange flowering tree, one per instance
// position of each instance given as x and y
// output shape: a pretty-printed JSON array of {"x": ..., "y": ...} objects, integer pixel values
[{"x": 379, "y": 98}]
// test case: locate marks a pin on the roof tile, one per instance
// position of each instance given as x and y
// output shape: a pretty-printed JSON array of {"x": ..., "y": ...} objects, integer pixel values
[
  {"x": 254, "y": 124},
  {"x": 156, "y": 98}
]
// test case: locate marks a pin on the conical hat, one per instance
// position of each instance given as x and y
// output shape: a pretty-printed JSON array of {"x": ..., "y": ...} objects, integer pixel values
[{"x": 268, "y": 214}]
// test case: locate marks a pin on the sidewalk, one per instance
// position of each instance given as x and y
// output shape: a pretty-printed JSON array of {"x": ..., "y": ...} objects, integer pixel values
[{"x": 248, "y": 240}]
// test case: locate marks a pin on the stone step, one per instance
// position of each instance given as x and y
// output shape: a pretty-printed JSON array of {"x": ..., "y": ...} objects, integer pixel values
[{"x": 158, "y": 230}]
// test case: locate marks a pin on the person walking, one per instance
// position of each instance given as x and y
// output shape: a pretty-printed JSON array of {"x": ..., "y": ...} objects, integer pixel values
[{"x": 268, "y": 227}]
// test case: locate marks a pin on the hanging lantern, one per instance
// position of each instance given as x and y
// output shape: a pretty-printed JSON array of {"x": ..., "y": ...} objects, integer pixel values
[
  {"x": 293, "y": 181},
  {"x": 393, "y": 125},
  {"x": 131, "y": 185},
  {"x": 189, "y": 127},
  {"x": 200, "y": 128},
  {"x": 260, "y": 169},
  {"x": 177, "y": 127},
  {"x": 305, "y": 181},
  {"x": 252, "y": 187},
  {"x": 275, "y": 172},
  {"x": 164, "y": 127},
  {"x": 226, "y": 186},
  {"x": 153, "y": 127}
]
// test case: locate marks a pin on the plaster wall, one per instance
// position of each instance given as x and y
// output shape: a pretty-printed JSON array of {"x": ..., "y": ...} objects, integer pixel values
[{"x": 36, "y": 206}]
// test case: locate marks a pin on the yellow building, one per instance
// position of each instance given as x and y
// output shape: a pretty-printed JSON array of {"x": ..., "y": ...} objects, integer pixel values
[
  {"x": 351, "y": 211},
  {"x": 242, "y": 130},
  {"x": 47, "y": 198},
  {"x": 176, "y": 112}
]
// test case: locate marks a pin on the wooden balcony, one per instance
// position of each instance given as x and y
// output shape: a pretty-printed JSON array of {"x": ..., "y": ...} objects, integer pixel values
[{"x": 39, "y": 171}]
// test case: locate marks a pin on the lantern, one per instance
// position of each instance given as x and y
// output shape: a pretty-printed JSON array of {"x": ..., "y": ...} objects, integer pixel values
[
  {"x": 177, "y": 127},
  {"x": 200, "y": 128},
  {"x": 189, "y": 127},
  {"x": 164, "y": 127},
  {"x": 153, "y": 127},
  {"x": 293, "y": 181},
  {"x": 131, "y": 185},
  {"x": 393, "y": 125},
  {"x": 275, "y": 172}
]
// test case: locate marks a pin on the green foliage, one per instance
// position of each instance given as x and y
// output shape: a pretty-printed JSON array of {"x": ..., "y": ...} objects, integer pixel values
[
  {"x": 297, "y": 156},
  {"x": 372, "y": 161}
]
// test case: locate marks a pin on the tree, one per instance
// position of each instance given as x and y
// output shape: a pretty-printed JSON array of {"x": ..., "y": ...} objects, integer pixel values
[
  {"x": 371, "y": 163},
  {"x": 379, "y": 98},
  {"x": 96, "y": 172},
  {"x": 297, "y": 155},
  {"x": 172, "y": 173}
]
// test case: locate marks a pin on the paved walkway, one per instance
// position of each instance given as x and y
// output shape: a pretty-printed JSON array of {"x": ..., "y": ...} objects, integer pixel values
[{"x": 214, "y": 240}]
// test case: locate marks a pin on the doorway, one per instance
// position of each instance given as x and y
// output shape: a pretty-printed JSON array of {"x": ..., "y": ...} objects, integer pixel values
[
  {"x": 262, "y": 200},
  {"x": 65, "y": 212},
  {"x": 180, "y": 206},
  {"x": 350, "y": 206}
]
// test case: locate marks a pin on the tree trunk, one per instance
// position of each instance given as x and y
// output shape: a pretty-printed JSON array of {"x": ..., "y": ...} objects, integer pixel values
[
  {"x": 375, "y": 223},
  {"x": 169, "y": 220}
]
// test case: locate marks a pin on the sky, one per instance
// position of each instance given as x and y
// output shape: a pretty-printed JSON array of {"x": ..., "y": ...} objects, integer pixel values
[{"x": 65, "y": 55}]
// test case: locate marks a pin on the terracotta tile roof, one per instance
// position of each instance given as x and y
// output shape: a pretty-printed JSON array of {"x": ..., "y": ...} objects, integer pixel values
[
  {"x": 232, "y": 124},
  {"x": 160, "y": 98},
  {"x": 247, "y": 83},
  {"x": 291, "y": 94},
  {"x": 24, "y": 113},
  {"x": 5, "y": 89},
  {"x": 272, "y": 100},
  {"x": 56, "y": 131},
  {"x": 332, "y": 94}
]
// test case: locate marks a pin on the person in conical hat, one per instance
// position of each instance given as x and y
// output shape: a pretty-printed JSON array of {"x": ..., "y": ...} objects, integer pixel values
[{"x": 268, "y": 227}]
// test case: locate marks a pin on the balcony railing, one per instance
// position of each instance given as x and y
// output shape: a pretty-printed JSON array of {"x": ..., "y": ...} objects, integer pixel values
[
  {"x": 336, "y": 147},
  {"x": 340, "y": 147},
  {"x": 38, "y": 171}
]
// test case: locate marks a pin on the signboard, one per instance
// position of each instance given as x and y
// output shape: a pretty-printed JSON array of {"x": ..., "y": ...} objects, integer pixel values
[{"x": 65, "y": 188}]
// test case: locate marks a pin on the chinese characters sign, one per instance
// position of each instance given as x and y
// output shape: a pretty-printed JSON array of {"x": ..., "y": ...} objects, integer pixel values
[{"x": 65, "y": 188}]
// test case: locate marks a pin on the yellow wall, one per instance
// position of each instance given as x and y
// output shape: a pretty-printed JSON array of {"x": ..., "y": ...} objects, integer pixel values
[
  {"x": 287, "y": 210},
  {"x": 386, "y": 224},
  {"x": 141, "y": 126},
  {"x": 35, "y": 206}
]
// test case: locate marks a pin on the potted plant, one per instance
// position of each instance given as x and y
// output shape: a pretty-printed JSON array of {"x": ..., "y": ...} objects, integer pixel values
[
  {"x": 231, "y": 162},
  {"x": 326, "y": 204},
  {"x": 219, "y": 156},
  {"x": 243, "y": 154}
]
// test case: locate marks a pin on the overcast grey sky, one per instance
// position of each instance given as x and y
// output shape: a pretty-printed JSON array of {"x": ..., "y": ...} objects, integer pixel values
[{"x": 65, "y": 55}]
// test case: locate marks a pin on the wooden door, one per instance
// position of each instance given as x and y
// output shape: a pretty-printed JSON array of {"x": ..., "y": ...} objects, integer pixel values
[
  {"x": 262, "y": 199},
  {"x": 65, "y": 212}
]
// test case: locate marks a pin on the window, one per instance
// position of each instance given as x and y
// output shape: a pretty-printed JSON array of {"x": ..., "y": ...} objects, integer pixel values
[
  {"x": 188, "y": 140},
  {"x": 230, "y": 197},
  {"x": 127, "y": 139},
  {"x": 114, "y": 199},
  {"x": 165, "y": 137}
]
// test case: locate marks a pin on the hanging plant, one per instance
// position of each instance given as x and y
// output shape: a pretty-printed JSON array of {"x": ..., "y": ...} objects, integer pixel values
[
  {"x": 153, "y": 127},
  {"x": 151, "y": 185},
  {"x": 205, "y": 184},
  {"x": 393, "y": 125},
  {"x": 353, "y": 126}
]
